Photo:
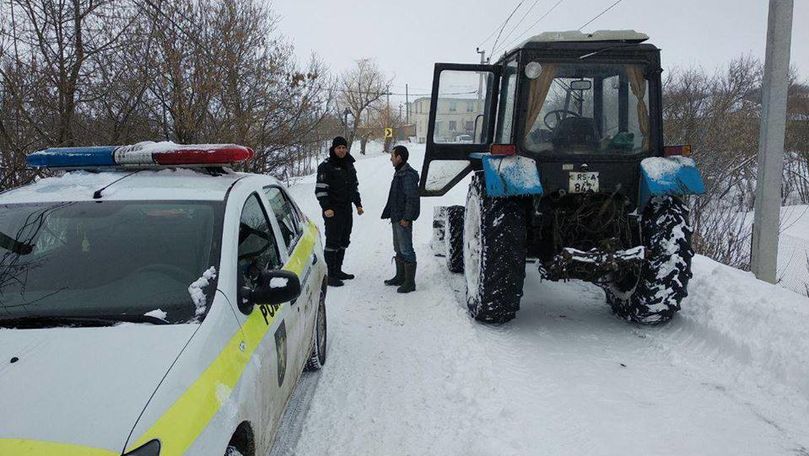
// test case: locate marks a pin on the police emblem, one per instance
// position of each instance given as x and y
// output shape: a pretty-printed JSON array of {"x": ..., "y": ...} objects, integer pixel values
[{"x": 281, "y": 351}]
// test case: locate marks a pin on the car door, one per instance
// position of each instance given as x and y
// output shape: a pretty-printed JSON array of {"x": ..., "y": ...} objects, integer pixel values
[
  {"x": 260, "y": 248},
  {"x": 291, "y": 231}
]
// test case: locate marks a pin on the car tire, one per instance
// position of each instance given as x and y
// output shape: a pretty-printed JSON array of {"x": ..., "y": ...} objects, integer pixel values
[
  {"x": 453, "y": 238},
  {"x": 494, "y": 252},
  {"x": 320, "y": 334},
  {"x": 232, "y": 451},
  {"x": 662, "y": 283}
]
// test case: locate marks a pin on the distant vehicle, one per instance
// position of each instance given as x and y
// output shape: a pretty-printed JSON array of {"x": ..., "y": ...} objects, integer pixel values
[
  {"x": 569, "y": 172},
  {"x": 154, "y": 303},
  {"x": 465, "y": 139}
]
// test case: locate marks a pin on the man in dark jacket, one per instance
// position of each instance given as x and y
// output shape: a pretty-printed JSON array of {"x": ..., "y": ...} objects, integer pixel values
[
  {"x": 403, "y": 209},
  {"x": 336, "y": 189}
]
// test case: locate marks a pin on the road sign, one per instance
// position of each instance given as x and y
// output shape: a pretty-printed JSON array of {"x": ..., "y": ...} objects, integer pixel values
[{"x": 388, "y": 133}]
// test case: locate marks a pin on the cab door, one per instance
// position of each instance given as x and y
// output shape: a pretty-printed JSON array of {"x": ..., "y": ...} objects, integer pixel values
[{"x": 461, "y": 121}]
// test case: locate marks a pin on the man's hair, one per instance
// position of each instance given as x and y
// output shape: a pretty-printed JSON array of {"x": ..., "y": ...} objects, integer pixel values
[{"x": 402, "y": 152}]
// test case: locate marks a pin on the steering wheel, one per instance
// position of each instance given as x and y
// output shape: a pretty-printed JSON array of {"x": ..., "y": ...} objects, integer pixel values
[
  {"x": 558, "y": 115},
  {"x": 175, "y": 272}
]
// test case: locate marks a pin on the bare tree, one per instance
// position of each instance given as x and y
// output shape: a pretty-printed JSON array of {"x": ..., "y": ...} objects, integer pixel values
[{"x": 360, "y": 88}]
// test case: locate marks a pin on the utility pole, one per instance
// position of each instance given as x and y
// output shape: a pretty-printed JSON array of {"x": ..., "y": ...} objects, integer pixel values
[
  {"x": 766, "y": 224},
  {"x": 482, "y": 53},
  {"x": 407, "y": 105}
]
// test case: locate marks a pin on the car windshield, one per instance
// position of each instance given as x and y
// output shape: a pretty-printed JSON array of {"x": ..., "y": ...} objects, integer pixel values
[
  {"x": 587, "y": 108},
  {"x": 108, "y": 260}
]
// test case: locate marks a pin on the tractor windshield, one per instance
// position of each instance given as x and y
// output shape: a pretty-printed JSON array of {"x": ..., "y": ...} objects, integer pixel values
[{"x": 587, "y": 108}]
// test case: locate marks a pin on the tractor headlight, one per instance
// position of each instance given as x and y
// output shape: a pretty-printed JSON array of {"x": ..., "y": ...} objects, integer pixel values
[
  {"x": 533, "y": 70},
  {"x": 150, "y": 449}
]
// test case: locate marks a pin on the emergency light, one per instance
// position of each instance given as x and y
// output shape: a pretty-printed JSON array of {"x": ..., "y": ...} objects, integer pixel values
[{"x": 140, "y": 155}]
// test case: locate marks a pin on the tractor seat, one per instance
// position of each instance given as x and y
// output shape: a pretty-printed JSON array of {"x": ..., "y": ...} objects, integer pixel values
[{"x": 576, "y": 132}]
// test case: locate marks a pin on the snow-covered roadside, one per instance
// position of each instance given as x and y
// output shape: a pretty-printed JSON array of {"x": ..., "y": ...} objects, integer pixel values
[{"x": 415, "y": 375}]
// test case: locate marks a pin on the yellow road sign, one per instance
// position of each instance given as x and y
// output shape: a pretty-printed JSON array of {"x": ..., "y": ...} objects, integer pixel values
[{"x": 388, "y": 132}]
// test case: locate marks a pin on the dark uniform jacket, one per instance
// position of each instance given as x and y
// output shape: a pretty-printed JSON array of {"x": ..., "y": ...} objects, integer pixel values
[
  {"x": 337, "y": 184},
  {"x": 403, "y": 199}
]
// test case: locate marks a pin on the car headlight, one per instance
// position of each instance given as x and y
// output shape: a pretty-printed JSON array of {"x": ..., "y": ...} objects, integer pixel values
[{"x": 152, "y": 448}]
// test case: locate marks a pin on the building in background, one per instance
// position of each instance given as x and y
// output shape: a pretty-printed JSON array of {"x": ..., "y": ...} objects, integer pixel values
[{"x": 455, "y": 118}]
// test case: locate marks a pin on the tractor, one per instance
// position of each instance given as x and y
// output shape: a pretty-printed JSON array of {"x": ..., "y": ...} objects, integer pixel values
[{"x": 568, "y": 172}]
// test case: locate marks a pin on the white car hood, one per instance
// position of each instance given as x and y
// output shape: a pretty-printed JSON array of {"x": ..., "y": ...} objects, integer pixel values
[{"x": 82, "y": 386}]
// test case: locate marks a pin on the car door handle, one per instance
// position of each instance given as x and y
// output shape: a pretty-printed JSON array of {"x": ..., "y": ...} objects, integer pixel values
[{"x": 314, "y": 258}]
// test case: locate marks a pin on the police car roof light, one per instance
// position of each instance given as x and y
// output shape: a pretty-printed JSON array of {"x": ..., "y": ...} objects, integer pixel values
[{"x": 145, "y": 154}]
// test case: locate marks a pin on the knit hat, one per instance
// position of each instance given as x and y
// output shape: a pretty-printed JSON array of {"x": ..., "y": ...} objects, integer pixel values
[{"x": 338, "y": 141}]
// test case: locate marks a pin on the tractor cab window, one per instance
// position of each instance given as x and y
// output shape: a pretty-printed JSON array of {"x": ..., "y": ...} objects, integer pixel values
[
  {"x": 587, "y": 109},
  {"x": 460, "y": 115}
]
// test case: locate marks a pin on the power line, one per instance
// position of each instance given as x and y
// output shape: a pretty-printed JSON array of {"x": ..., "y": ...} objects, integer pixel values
[
  {"x": 600, "y": 14},
  {"x": 531, "y": 27},
  {"x": 493, "y": 32},
  {"x": 494, "y": 46},
  {"x": 531, "y": 8}
]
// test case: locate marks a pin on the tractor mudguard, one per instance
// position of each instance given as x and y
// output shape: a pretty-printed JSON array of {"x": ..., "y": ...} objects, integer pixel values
[
  {"x": 676, "y": 176},
  {"x": 510, "y": 175}
]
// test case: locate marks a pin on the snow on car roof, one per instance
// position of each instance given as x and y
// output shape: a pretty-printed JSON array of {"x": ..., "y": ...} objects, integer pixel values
[{"x": 164, "y": 184}]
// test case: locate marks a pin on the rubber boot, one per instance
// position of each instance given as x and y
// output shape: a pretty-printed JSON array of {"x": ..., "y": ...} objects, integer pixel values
[
  {"x": 331, "y": 263},
  {"x": 340, "y": 273},
  {"x": 410, "y": 278},
  {"x": 398, "y": 279}
]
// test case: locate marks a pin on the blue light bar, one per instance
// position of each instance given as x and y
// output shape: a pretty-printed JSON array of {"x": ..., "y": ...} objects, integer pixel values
[{"x": 72, "y": 157}]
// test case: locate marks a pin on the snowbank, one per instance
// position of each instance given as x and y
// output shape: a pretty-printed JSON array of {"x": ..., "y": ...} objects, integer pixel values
[{"x": 763, "y": 326}]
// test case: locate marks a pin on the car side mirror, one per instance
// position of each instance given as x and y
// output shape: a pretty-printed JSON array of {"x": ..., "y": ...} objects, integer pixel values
[{"x": 274, "y": 287}]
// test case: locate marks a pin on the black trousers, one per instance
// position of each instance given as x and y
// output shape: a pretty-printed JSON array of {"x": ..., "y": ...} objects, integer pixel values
[{"x": 338, "y": 229}]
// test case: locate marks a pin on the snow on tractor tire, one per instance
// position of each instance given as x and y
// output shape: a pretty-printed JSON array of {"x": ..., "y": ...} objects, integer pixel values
[
  {"x": 654, "y": 294},
  {"x": 494, "y": 241}
]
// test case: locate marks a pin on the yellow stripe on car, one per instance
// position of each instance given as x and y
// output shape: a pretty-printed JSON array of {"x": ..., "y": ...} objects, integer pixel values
[
  {"x": 184, "y": 421},
  {"x": 22, "y": 447}
]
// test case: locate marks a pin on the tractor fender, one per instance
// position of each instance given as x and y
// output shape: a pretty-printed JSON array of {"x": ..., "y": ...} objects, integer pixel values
[
  {"x": 510, "y": 175},
  {"x": 675, "y": 175}
]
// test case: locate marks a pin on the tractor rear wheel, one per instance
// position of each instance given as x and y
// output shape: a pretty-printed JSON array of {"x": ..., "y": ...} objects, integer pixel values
[
  {"x": 662, "y": 282},
  {"x": 494, "y": 250}
]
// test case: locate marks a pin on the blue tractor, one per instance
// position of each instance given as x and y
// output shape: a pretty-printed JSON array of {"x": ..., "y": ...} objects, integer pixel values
[{"x": 569, "y": 172}]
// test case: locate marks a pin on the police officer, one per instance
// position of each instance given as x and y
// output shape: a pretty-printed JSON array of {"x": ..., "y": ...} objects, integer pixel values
[
  {"x": 402, "y": 209},
  {"x": 336, "y": 189}
]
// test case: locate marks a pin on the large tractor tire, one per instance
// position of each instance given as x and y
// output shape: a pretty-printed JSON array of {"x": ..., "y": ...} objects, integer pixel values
[
  {"x": 453, "y": 238},
  {"x": 494, "y": 247},
  {"x": 662, "y": 283}
]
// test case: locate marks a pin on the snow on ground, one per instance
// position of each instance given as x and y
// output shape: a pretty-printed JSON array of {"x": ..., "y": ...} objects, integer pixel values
[{"x": 415, "y": 375}]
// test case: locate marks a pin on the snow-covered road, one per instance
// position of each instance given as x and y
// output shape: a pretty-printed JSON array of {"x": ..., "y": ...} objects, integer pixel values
[{"x": 415, "y": 375}]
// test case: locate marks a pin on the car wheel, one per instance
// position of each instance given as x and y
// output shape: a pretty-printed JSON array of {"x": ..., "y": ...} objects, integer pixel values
[
  {"x": 232, "y": 451},
  {"x": 318, "y": 356}
]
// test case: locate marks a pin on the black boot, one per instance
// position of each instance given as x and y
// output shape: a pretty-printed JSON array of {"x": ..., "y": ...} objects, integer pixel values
[
  {"x": 398, "y": 279},
  {"x": 331, "y": 263},
  {"x": 409, "y": 278},
  {"x": 340, "y": 274}
]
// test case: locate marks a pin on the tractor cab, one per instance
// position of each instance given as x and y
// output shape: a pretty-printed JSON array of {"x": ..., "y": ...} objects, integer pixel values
[{"x": 568, "y": 100}]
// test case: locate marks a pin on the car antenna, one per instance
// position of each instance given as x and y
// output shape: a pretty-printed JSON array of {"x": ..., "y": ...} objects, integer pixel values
[{"x": 97, "y": 193}]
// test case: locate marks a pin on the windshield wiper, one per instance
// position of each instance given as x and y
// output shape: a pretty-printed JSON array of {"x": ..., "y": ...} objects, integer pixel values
[{"x": 42, "y": 321}]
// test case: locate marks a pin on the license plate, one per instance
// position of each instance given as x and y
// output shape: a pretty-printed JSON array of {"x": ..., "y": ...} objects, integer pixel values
[{"x": 583, "y": 182}]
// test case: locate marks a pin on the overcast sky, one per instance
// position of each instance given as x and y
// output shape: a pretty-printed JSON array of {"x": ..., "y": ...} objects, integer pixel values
[{"x": 407, "y": 37}]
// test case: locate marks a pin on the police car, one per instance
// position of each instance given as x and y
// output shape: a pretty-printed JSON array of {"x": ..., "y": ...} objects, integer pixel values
[{"x": 153, "y": 302}]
